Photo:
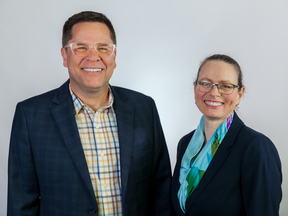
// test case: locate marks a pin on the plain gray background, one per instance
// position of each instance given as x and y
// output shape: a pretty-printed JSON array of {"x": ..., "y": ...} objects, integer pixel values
[{"x": 160, "y": 46}]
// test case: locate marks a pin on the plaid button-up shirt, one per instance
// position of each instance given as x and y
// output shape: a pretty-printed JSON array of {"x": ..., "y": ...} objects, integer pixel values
[{"x": 99, "y": 137}]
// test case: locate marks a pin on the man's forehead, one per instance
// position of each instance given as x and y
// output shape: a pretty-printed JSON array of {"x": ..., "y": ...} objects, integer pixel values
[
  {"x": 90, "y": 24},
  {"x": 96, "y": 30}
]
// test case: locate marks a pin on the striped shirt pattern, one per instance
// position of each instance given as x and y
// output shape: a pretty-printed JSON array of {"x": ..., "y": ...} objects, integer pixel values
[{"x": 99, "y": 137}]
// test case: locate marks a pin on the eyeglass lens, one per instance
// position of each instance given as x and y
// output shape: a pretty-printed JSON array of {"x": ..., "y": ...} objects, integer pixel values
[
  {"x": 82, "y": 49},
  {"x": 224, "y": 88}
]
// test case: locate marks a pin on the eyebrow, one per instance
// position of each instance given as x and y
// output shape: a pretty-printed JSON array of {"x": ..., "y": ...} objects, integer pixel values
[
  {"x": 81, "y": 43},
  {"x": 221, "y": 81}
]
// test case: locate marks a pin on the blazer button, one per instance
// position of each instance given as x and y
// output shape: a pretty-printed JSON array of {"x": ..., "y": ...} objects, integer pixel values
[{"x": 93, "y": 211}]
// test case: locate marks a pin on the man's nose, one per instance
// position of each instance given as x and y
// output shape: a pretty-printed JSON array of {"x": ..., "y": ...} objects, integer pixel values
[{"x": 93, "y": 54}]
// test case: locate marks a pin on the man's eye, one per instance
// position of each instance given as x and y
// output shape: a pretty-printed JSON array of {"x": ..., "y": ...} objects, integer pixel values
[
  {"x": 103, "y": 49},
  {"x": 82, "y": 48}
]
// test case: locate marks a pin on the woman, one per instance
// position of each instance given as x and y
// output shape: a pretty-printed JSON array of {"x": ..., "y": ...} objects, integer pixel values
[{"x": 223, "y": 167}]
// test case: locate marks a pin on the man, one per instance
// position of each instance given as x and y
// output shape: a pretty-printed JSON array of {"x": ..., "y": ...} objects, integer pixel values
[{"x": 88, "y": 147}]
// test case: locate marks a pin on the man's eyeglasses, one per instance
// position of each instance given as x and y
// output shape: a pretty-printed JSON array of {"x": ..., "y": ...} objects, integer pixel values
[
  {"x": 223, "y": 88},
  {"x": 83, "y": 49}
]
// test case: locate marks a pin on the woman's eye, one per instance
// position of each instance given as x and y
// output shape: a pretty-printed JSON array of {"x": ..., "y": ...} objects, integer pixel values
[
  {"x": 205, "y": 84},
  {"x": 227, "y": 86}
]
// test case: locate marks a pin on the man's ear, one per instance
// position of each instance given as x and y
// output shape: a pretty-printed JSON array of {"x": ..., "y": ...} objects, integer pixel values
[
  {"x": 115, "y": 58},
  {"x": 64, "y": 56}
]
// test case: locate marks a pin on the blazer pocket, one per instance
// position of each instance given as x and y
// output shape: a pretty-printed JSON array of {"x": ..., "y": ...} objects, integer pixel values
[{"x": 140, "y": 148}]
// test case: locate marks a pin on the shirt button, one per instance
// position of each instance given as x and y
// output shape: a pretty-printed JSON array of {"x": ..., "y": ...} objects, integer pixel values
[
  {"x": 102, "y": 154},
  {"x": 93, "y": 211}
]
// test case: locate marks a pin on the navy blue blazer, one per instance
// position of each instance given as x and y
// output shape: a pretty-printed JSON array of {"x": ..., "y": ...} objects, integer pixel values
[
  {"x": 47, "y": 171},
  {"x": 244, "y": 177}
]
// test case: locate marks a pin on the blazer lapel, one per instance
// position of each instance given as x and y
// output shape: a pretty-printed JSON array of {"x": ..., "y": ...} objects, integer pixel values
[
  {"x": 64, "y": 116},
  {"x": 176, "y": 186},
  {"x": 218, "y": 160},
  {"x": 125, "y": 118}
]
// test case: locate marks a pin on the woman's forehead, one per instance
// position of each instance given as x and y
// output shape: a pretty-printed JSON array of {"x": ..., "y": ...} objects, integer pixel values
[{"x": 215, "y": 70}]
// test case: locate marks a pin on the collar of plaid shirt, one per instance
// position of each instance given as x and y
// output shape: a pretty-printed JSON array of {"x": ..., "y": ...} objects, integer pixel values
[{"x": 78, "y": 104}]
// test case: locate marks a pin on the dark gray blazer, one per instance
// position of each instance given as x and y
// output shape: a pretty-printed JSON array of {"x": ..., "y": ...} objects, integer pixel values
[
  {"x": 244, "y": 177},
  {"x": 47, "y": 171}
]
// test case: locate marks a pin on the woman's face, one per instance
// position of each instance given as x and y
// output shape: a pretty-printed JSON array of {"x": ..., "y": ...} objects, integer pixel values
[{"x": 214, "y": 105}]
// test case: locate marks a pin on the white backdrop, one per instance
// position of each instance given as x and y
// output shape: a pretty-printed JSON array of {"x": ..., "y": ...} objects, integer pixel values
[{"x": 160, "y": 46}]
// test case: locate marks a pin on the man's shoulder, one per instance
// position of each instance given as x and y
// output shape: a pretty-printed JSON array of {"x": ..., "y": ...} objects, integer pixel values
[
  {"x": 45, "y": 97},
  {"x": 129, "y": 94}
]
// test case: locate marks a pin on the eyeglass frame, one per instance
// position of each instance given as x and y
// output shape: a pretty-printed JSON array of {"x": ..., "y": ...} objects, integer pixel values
[
  {"x": 90, "y": 46},
  {"x": 217, "y": 85}
]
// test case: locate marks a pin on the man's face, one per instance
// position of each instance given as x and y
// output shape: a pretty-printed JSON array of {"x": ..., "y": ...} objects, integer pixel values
[{"x": 89, "y": 74}]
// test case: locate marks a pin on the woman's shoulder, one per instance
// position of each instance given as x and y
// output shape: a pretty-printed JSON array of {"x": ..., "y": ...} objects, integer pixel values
[
  {"x": 252, "y": 135},
  {"x": 248, "y": 135},
  {"x": 183, "y": 143},
  {"x": 257, "y": 144},
  {"x": 187, "y": 137}
]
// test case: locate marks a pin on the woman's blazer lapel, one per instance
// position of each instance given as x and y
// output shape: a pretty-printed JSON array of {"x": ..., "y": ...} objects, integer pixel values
[{"x": 182, "y": 145}]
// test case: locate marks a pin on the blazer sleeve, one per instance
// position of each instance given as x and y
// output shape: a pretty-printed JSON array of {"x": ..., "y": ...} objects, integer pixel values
[
  {"x": 161, "y": 171},
  {"x": 261, "y": 178},
  {"x": 23, "y": 189}
]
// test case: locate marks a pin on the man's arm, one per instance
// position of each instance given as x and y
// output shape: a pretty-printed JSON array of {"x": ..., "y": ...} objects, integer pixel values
[
  {"x": 23, "y": 188},
  {"x": 161, "y": 171}
]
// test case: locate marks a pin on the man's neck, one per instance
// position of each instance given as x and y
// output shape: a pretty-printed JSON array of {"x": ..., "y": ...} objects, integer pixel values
[{"x": 94, "y": 99}]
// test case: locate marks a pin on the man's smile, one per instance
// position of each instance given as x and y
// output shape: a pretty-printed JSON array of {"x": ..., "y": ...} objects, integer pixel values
[{"x": 92, "y": 70}]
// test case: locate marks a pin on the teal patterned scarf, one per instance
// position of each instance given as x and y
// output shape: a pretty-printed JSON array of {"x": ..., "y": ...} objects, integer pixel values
[{"x": 197, "y": 158}]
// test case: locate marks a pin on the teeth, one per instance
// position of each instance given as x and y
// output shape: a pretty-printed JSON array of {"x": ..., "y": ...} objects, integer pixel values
[
  {"x": 213, "y": 103},
  {"x": 92, "y": 70}
]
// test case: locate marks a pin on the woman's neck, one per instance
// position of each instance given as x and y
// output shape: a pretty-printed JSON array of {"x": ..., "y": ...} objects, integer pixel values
[{"x": 210, "y": 127}]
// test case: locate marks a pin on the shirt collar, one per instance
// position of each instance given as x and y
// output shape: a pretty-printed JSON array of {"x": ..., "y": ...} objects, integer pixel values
[{"x": 78, "y": 104}]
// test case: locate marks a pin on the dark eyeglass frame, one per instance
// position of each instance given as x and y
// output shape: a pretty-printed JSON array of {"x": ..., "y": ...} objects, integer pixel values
[{"x": 217, "y": 85}]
